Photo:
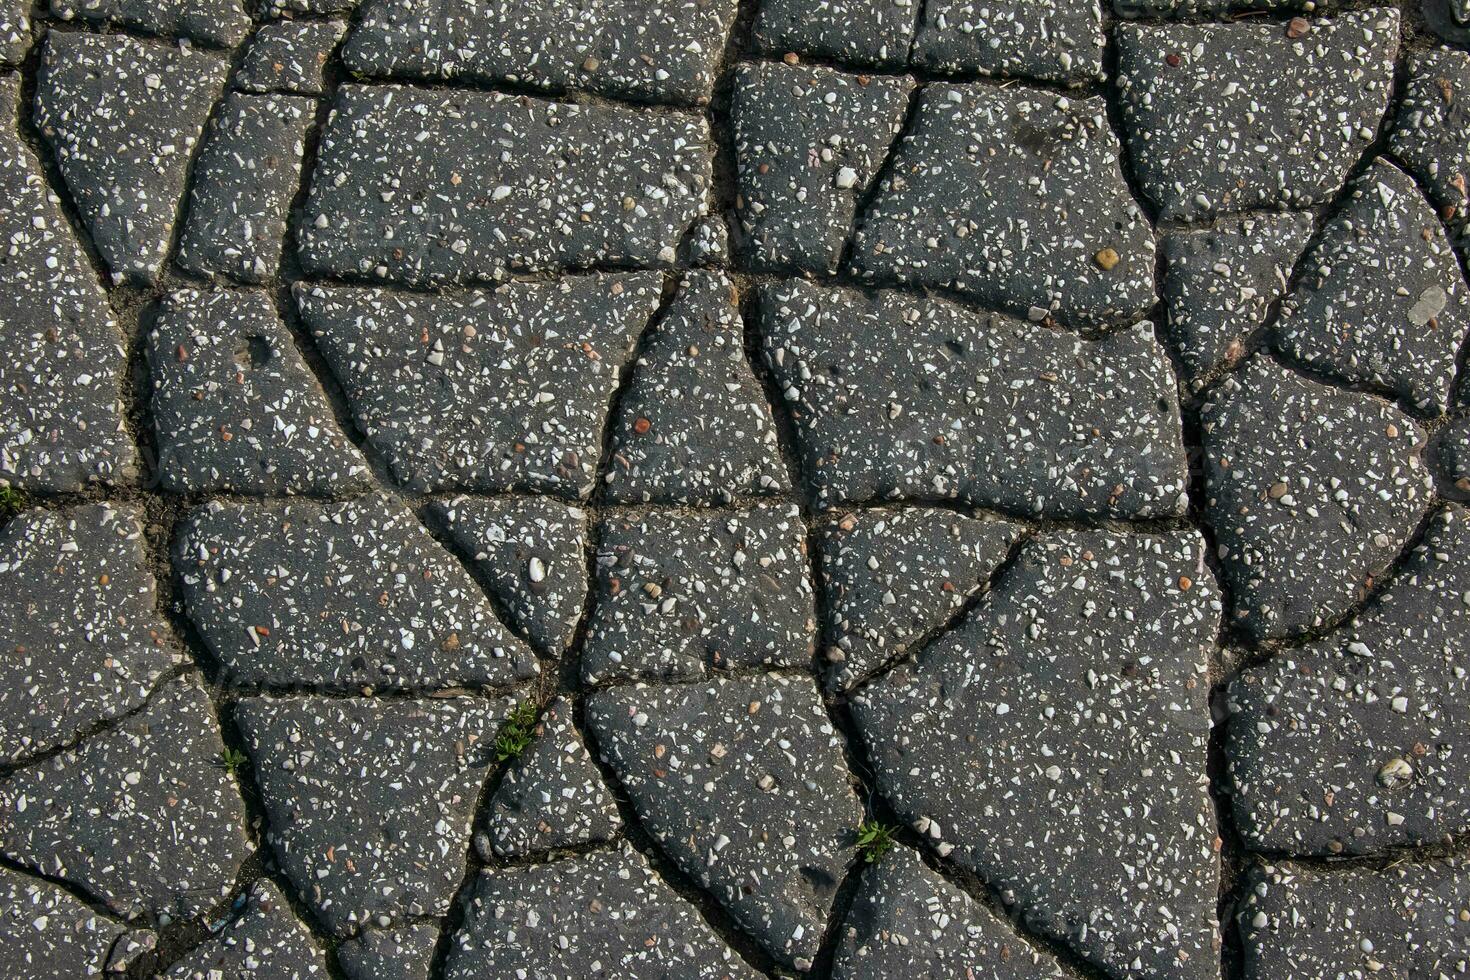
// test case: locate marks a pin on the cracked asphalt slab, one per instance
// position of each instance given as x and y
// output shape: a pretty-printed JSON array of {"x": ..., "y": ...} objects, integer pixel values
[{"x": 734, "y": 488}]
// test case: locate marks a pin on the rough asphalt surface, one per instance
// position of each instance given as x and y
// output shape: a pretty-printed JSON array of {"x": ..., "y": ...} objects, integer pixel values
[{"x": 716, "y": 489}]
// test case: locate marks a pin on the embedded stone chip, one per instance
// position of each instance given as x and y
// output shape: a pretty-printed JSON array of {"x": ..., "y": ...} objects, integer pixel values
[
  {"x": 425, "y": 187},
  {"x": 234, "y": 406},
  {"x": 531, "y": 551},
  {"x": 1015, "y": 225},
  {"x": 893, "y": 577},
  {"x": 1055, "y": 744},
  {"x": 339, "y": 596},
  {"x": 808, "y": 142},
  {"x": 1311, "y": 491},
  {"x": 743, "y": 785},
  {"x": 693, "y": 426},
  {"x": 220, "y": 23},
  {"x": 659, "y": 50},
  {"x": 1359, "y": 742},
  {"x": 1230, "y": 117},
  {"x": 1050, "y": 40},
  {"x": 1428, "y": 137},
  {"x": 600, "y": 914},
  {"x": 46, "y": 934},
  {"x": 369, "y": 802},
  {"x": 389, "y": 954},
  {"x": 552, "y": 796},
  {"x": 485, "y": 391},
  {"x": 899, "y": 397},
  {"x": 1381, "y": 300},
  {"x": 122, "y": 117},
  {"x": 143, "y": 816},
  {"x": 681, "y": 593},
  {"x": 288, "y": 56},
  {"x": 15, "y": 33},
  {"x": 83, "y": 639},
  {"x": 263, "y": 942},
  {"x": 248, "y": 170}
]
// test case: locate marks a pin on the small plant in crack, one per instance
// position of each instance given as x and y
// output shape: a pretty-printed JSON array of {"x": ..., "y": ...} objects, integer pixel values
[
  {"x": 874, "y": 840},
  {"x": 11, "y": 502},
  {"x": 515, "y": 735},
  {"x": 233, "y": 760}
]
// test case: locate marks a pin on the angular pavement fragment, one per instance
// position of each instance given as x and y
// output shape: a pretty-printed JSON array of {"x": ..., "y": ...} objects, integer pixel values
[
  {"x": 370, "y": 801},
  {"x": 432, "y": 186},
  {"x": 742, "y": 783},
  {"x": 1311, "y": 492},
  {"x": 1038, "y": 222},
  {"x": 220, "y": 23},
  {"x": 808, "y": 142},
  {"x": 1381, "y": 299},
  {"x": 660, "y": 50},
  {"x": 290, "y": 8},
  {"x": 1428, "y": 137},
  {"x": 248, "y": 170},
  {"x": 397, "y": 954},
  {"x": 1230, "y": 117},
  {"x": 338, "y": 596},
  {"x": 61, "y": 413},
  {"x": 488, "y": 391},
  {"x": 82, "y": 636},
  {"x": 1410, "y": 920},
  {"x": 122, "y": 117},
  {"x": 235, "y": 407},
  {"x": 604, "y": 914},
  {"x": 1361, "y": 741},
  {"x": 45, "y": 934},
  {"x": 288, "y": 56},
  {"x": 15, "y": 34},
  {"x": 693, "y": 425},
  {"x": 552, "y": 795},
  {"x": 1051, "y": 40},
  {"x": 1055, "y": 744},
  {"x": 863, "y": 32},
  {"x": 532, "y": 552},
  {"x": 907, "y": 921},
  {"x": 1220, "y": 283},
  {"x": 143, "y": 816},
  {"x": 893, "y": 576},
  {"x": 678, "y": 594},
  {"x": 264, "y": 942},
  {"x": 895, "y": 396}
]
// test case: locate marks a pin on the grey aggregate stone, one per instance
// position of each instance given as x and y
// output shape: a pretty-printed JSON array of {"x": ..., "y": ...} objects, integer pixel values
[
  {"x": 264, "y": 942},
  {"x": 46, "y": 934},
  {"x": 1220, "y": 284},
  {"x": 1311, "y": 492},
  {"x": 370, "y": 802},
  {"x": 122, "y": 117},
  {"x": 893, "y": 576},
  {"x": 707, "y": 244},
  {"x": 142, "y": 816},
  {"x": 1051, "y": 40},
  {"x": 221, "y": 23},
  {"x": 532, "y": 551},
  {"x": 1356, "y": 923},
  {"x": 899, "y": 397},
  {"x": 678, "y": 594},
  {"x": 83, "y": 639},
  {"x": 1381, "y": 300},
  {"x": 61, "y": 413},
  {"x": 863, "y": 32},
  {"x": 248, "y": 170},
  {"x": 552, "y": 795},
  {"x": 288, "y": 56},
  {"x": 1055, "y": 744},
  {"x": 397, "y": 954},
  {"x": 15, "y": 33},
  {"x": 1359, "y": 741},
  {"x": 487, "y": 391},
  {"x": 742, "y": 783},
  {"x": 693, "y": 425},
  {"x": 1016, "y": 197},
  {"x": 341, "y": 595},
  {"x": 907, "y": 921},
  {"x": 808, "y": 142},
  {"x": 1428, "y": 136},
  {"x": 599, "y": 915},
  {"x": 1230, "y": 117},
  {"x": 426, "y": 187},
  {"x": 235, "y": 407},
  {"x": 662, "y": 50}
]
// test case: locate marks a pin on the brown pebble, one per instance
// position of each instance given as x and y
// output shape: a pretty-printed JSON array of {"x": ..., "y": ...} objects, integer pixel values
[
  {"x": 1107, "y": 259},
  {"x": 1297, "y": 26}
]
